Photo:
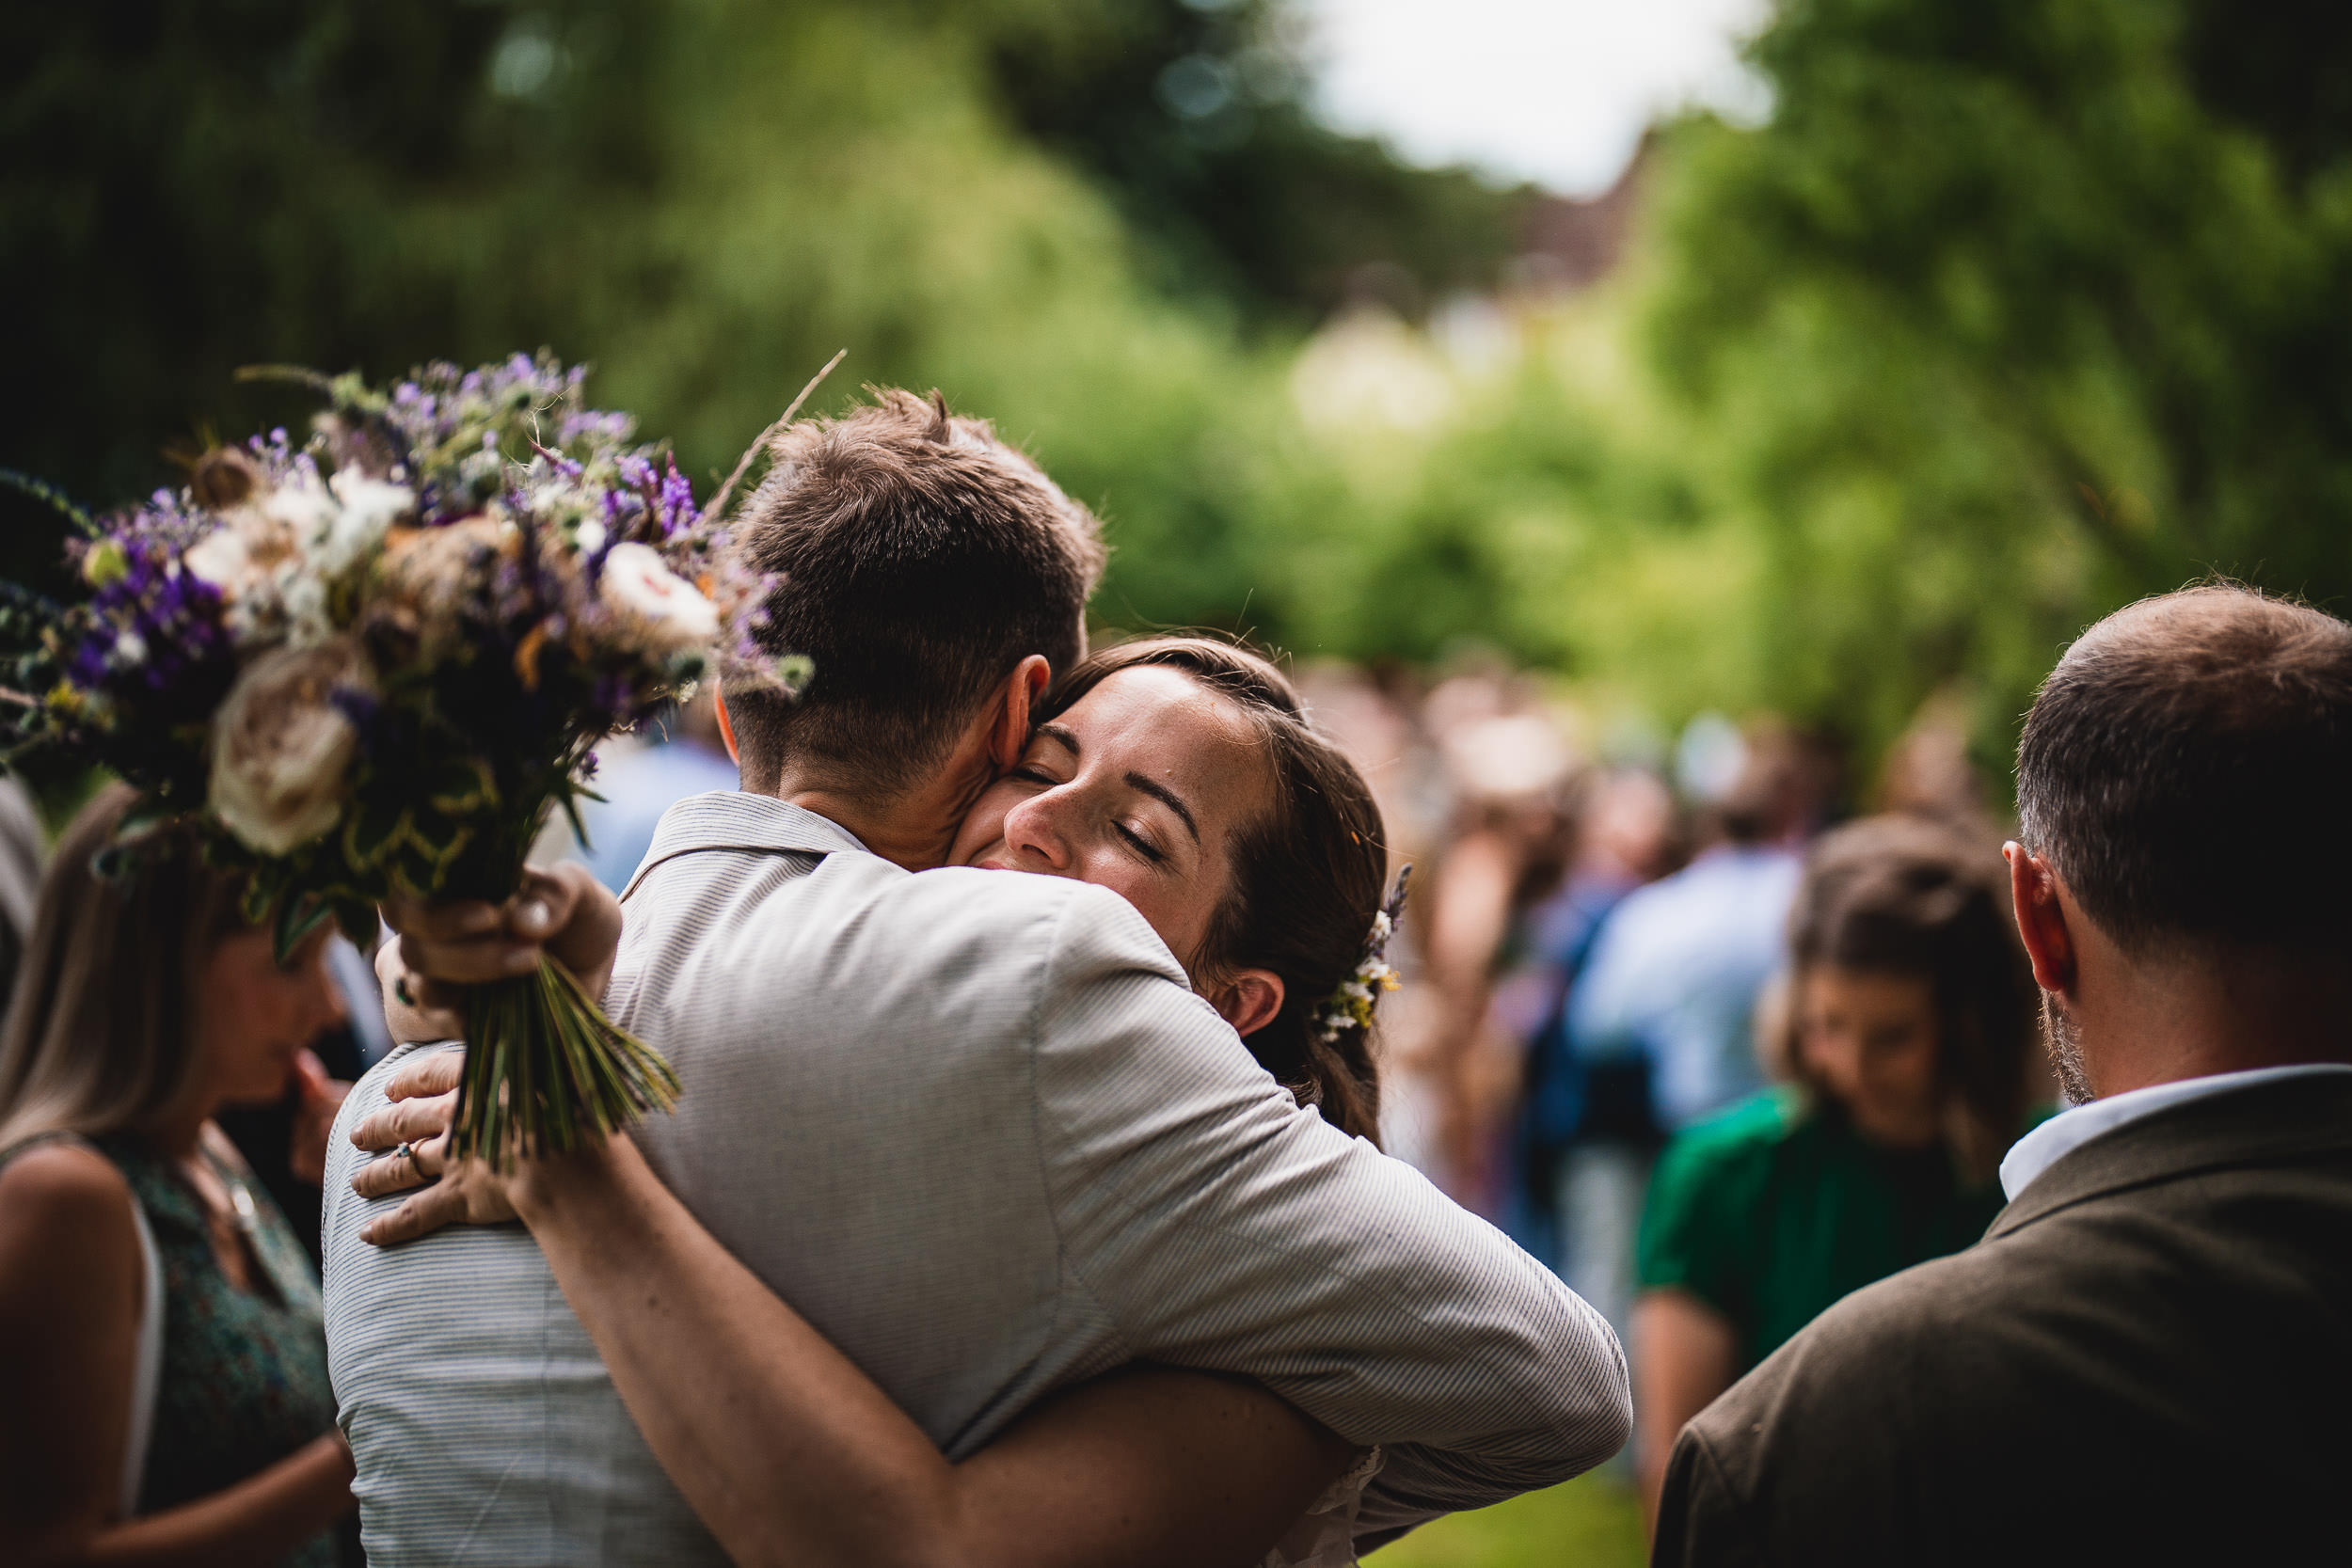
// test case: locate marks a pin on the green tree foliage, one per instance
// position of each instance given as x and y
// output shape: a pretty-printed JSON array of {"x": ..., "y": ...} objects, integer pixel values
[
  {"x": 1192, "y": 113},
  {"x": 2010, "y": 312},
  {"x": 705, "y": 200},
  {"x": 2014, "y": 310}
]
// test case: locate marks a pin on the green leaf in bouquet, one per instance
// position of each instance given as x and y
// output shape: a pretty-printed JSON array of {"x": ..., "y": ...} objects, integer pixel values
[
  {"x": 52, "y": 497},
  {"x": 297, "y": 917},
  {"x": 373, "y": 833},
  {"x": 408, "y": 848},
  {"x": 571, "y": 813},
  {"x": 462, "y": 787},
  {"x": 426, "y": 860},
  {"x": 260, "y": 897}
]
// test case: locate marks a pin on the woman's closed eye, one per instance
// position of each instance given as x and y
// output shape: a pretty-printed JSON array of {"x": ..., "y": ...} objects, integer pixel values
[{"x": 1142, "y": 844}]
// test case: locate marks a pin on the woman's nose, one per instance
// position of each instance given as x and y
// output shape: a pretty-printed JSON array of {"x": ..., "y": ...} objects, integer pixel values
[{"x": 1034, "y": 827}]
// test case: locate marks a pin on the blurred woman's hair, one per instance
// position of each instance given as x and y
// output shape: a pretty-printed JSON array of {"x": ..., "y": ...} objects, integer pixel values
[
  {"x": 1306, "y": 875},
  {"x": 1907, "y": 897},
  {"x": 97, "y": 1038}
]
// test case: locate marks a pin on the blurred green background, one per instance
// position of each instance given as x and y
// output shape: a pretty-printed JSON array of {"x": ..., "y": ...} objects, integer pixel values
[
  {"x": 1593, "y": 1522},
  {"x": 2007, "y": 311}
]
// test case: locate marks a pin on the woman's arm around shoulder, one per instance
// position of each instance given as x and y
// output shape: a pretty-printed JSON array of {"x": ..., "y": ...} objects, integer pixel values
[{"x": 808, "y": 1462}]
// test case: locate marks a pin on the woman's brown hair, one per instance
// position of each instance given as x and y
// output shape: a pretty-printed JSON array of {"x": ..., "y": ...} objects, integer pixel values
[
  {"x": 1307, "y": 874},
  {"x": 97, "y": 1038},
  {"x": 1902, "y": 896}
]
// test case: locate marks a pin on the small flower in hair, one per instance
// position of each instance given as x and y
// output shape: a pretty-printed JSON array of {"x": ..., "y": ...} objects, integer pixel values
[{"x": 1357, "y": 996}]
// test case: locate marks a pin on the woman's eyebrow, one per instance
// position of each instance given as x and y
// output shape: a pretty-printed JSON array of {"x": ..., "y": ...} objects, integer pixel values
[
  {"x": 1061, "y": 734},
  {"x": 1168, "y": 798}
]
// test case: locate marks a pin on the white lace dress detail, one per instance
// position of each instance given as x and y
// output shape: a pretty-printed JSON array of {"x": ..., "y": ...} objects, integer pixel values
[{"x": 1325, "y": 1536}]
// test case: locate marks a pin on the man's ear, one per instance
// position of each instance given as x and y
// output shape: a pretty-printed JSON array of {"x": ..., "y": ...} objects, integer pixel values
[
  {"x": 726, "y": 725},
  {"x": 1249, "y": 999},
  {"x": 2033, "y": 890},
  {"x": 1009, "y": 736}
]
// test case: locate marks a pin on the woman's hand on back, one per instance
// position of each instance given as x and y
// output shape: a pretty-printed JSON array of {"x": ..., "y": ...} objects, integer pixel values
[{"x": 410, "y": 1136}]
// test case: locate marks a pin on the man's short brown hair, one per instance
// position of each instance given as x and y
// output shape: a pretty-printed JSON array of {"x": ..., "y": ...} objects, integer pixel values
[
  {"x": 2187, "y": 770},
  {"x": 921, "y": 560}
]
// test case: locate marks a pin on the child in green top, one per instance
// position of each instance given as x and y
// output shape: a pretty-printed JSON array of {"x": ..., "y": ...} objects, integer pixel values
[{"x": 1908, "y": 1033}]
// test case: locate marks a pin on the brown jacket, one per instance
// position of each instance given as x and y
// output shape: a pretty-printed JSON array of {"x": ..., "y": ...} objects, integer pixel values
[{"x": 2148, "y": 1358}]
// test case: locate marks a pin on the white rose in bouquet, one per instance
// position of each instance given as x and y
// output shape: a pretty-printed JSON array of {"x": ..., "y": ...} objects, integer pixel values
[
  {"x": 276, "y": 555},
  {"x": 665, "y": 613},
  {"x": 351, "y": 534},
  {"x": 301, "y": 507},
  {"x": 243, "y": 552},
  {"x": 221, "y": 558},
  {"x": 282, "y": 750}
]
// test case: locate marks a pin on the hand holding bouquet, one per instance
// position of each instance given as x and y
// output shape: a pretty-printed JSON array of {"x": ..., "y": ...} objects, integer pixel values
[{"x": 371, "y": 666}]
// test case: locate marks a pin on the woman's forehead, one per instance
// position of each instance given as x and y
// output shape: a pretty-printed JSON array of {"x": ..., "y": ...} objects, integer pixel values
[
  {"x": 1164, "y": 722},
  {"x": 1151, "y": 695}
]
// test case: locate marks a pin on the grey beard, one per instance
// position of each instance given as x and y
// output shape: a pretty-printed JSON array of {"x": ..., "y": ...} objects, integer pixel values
[{"x": 2066, "y": 1049}]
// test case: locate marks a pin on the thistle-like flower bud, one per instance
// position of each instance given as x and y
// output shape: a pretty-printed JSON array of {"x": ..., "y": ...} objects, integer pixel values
[{"x": 224, "y": 478}]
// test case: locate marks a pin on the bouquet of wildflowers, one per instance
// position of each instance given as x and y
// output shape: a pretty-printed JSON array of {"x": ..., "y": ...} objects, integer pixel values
[{"x": 373, "y": 664}]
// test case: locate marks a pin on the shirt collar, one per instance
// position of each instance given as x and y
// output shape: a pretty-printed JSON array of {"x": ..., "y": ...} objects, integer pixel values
[
  {"x": 738, "y": 820},
  {"x": 2043, "y": 1147}
]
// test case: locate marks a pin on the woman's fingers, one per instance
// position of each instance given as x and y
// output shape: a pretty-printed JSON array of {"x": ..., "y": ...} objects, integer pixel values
[
  {"x": 544, "y": 904},
  {"x": 457, "y": 920},
  {"x": 429, "y": 1210},
  {"x": 462, "y": 944},
  {"x": 469, "y": 960},
  {"x": 468, "y": 1194},
  {"x": 434, "y": 1072},
  {"x": 405, "y": 1121},
  {"x": 397, "y": 1172},
  {"x": 577, "y": 916},
  {"x": 560, "y": 911}
]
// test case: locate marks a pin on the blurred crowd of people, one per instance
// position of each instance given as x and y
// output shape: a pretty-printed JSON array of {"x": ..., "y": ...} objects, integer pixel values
[{"x": 1712, "y": 1044}]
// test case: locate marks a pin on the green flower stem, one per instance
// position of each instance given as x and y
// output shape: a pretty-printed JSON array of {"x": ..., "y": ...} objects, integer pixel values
[{"x": 546, "y": 1073}]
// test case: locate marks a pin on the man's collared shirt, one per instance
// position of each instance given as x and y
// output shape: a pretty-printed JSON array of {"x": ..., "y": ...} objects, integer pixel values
[{"x": 2043, "y": 1147}]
